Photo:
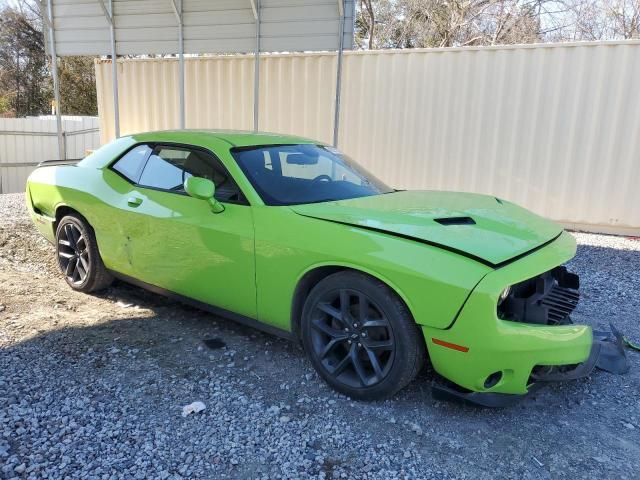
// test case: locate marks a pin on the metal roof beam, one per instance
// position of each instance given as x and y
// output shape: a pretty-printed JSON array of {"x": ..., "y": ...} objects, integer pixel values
[
  {"x": 177, "y": 11},
  {"x": 107, "y": 14}
]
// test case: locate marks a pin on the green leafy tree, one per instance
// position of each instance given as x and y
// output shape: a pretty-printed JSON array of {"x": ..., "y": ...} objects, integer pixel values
[
  {"x": 26, "y": 87},
  {"x": 5, "y": 106},
  {"x": 24, "y": 80},
  {"x": 77, "y": 86}
]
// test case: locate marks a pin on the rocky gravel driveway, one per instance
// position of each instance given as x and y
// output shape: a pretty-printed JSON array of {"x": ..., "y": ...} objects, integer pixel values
[{"x": 93, "y": 387}]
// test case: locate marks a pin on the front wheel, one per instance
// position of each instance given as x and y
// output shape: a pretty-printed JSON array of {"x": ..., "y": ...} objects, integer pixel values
[
  {"x": 360, "y": 337},
  {"x": 78, "y": 256}
]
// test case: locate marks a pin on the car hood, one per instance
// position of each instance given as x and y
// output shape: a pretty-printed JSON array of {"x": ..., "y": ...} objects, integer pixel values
[{"x": 488, "y": 229}]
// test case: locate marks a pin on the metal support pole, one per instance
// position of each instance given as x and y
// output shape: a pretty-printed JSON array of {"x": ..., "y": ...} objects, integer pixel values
[
  {"x": 178, "y": 13},
  {"x": 255, "y": 5},
  {"x": 56, "y": 82},
  {"x": 114, "y": 71},
  {"x": 114, "y": 65},
  {"x": 336, "y": 118}
]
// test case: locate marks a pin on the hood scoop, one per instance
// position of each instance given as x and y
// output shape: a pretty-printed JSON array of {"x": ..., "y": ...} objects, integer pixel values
[{"x": 447, "y": 221}]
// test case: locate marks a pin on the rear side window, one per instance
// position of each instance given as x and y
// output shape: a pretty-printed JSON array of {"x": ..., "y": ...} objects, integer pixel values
[{"x": 131, "y": 164}]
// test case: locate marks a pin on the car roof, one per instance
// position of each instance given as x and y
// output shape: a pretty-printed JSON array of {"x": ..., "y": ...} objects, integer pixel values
[{"x": 236, "y": 138}]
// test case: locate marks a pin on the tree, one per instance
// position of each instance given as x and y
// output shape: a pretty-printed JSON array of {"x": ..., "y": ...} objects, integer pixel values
[
  {"x": 455, "y": 23},
  {"x": 78, "y": 86},
  {"x": 25, "y": 79},
  {"x": 433, "y": 23},
  {"x": 365, "y": 24},
  {"x": 23, "y": 64},
  {"x": 605, "y": 20}
]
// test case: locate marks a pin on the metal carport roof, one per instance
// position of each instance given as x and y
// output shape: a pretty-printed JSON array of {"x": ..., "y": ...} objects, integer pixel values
[
  {"x": 150, "y": 27},
  {"x": 209, "y": 26}
]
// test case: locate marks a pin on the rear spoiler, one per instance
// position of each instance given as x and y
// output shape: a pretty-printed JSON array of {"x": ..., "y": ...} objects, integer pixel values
[{"x": 51, "y": 163}]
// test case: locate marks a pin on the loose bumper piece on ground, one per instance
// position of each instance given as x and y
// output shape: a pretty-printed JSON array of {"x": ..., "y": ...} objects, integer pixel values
[{"x": 612, "y": 358}]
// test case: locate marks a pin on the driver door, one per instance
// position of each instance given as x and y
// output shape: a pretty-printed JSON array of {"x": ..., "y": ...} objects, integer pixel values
[{"x": 181, "y": 245}]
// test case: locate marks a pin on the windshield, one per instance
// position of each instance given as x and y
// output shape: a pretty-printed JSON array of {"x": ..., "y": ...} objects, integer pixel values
[{"x": 306, "y": 173}]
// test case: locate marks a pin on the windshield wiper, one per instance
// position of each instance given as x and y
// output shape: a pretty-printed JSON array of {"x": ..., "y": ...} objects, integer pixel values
[{"x": 319, "y": 201}]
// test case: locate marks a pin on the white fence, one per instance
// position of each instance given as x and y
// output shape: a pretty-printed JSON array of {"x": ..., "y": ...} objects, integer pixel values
[
  {"x": 25, "y": 142},
  {"x": 553, "y": 127}
]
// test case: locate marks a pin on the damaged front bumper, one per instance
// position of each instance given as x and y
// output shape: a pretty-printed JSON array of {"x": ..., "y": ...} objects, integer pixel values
[
  {"x": 607, "y": 354},
  {"x": 493, "y": 360}
]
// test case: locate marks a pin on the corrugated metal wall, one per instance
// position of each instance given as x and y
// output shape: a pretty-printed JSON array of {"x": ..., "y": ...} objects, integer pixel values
[
  {"x": 555, "y": 128},
  {"x": 296, "y": 94},
  {"x": 25, "y": 142}
]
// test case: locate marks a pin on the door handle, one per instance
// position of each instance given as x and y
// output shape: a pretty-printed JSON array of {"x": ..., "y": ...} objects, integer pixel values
[{"x": 134, "y": 201}]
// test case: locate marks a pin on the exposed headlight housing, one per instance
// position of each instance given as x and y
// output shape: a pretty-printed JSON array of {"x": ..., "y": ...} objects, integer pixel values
[
  {"x": 546, "y": 299},
  {"x": 504, "y": 294}
]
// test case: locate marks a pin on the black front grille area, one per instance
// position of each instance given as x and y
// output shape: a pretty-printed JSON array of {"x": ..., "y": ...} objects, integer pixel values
[
  {"x": 547, "y": 299},
  {"x": 560, "y": 302}
]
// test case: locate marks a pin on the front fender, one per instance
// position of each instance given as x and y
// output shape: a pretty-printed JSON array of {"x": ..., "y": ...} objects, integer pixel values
[{"x": 434, "y": 283}]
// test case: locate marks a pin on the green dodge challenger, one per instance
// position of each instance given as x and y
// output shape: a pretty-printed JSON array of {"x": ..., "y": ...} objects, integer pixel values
[{"x": 293, "y": 237}]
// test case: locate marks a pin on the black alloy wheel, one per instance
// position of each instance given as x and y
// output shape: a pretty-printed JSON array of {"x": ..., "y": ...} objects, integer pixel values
[
  {"x": 73, "y": 255},
  {"x": 352, "y": 338},
  {"x": 360, "y": 336},
  {"x": 78, "y": 255}
]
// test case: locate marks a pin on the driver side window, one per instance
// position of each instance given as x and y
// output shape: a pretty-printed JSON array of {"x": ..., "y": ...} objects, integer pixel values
[
  {"x": 165, "y": 169},
  {"x": 168, "y": 167}
]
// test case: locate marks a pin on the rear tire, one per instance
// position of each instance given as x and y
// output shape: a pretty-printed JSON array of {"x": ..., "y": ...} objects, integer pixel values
[
  {"x": 360, "y": 336},
  {"x": 78, "y": 255}
]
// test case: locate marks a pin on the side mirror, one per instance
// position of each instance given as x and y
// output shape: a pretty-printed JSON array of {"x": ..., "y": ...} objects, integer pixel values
[{"x": 203, "y": 189}]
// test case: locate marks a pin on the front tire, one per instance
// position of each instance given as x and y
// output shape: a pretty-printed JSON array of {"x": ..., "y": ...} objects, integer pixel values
[
  {"x": 78, "y": 256},
  {"x": 360, "y": 337}
]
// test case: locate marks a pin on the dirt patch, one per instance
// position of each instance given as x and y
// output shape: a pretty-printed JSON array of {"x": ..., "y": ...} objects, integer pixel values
[{"x": 23, "y": 249}]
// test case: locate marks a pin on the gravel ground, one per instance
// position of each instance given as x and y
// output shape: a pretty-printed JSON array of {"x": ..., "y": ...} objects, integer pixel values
[{"x": 93, "y": 387}]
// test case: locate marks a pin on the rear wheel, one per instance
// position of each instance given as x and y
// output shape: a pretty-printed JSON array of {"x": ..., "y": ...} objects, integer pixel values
[
  {"x": 360, "y": 337},
  {"x": 78, "y": 255}
]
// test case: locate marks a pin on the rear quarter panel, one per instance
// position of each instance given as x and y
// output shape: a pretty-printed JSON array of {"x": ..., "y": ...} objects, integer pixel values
[{"x": 91, "y": 192}]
